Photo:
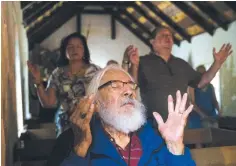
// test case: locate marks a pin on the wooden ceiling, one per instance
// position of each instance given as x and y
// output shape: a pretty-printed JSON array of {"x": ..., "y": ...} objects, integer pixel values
[{"x": 185, "y": 19}]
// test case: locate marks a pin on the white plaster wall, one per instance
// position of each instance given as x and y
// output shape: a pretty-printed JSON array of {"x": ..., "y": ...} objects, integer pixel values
[
  {"x": 201, "y": 46},
  {"x": 102, "y": 47},
  {"x": 200, "y": 52},
  {"x": 53, "y": 41}
]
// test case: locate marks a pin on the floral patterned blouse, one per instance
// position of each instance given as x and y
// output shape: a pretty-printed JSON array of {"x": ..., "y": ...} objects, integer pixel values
[{"x": 70, "y": 89}]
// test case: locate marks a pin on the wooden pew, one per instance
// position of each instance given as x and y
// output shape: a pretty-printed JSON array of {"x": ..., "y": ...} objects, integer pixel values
[
  {"x": 215, "y": 156},
  {"x": 211, "y": 136}
]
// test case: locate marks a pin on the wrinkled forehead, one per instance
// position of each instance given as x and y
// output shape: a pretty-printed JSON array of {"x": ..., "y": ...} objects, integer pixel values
[
  {"x": 164, "y": 31},
  {"x": 114, "y": 74}
]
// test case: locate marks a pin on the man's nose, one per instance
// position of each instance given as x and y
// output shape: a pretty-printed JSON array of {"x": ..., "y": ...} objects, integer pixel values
[{"x": 128, "y": 92}]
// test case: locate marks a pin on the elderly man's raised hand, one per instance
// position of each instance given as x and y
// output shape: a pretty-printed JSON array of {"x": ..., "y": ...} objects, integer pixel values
[
  {"x": 83, "y": 112},
  {"x": 81, "y": 117},
  {"x": 172, "y": 130},
  {"x": 223, "y": 53},
  {"x": 132, "y": 53}
]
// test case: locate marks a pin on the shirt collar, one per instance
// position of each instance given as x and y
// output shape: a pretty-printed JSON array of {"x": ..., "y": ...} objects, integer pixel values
[{"x": 152, "y": 53}]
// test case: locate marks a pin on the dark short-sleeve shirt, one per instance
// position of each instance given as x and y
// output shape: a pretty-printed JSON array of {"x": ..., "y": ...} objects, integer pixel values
[{"x": 157, "y": 79}]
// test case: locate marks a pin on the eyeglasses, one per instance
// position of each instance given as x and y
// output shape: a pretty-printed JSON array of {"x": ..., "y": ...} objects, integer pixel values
[
  {"x": 117, "y": 84},
  {"x": 165, "y": 36}
]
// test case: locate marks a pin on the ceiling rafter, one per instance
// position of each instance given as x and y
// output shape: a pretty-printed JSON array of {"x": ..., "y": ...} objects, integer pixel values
[
  {"x": 212, "y": 13},
  {"x": 136, "y": 33},
  {"x": 152, "y": 20},
  {"x": 47, "y": 20},
  {"x": 38, "y": 15},
  {"x": 231, "y": 5},
  {"x": 134, "y": 20},
  {"x": 141, "y": 26},
  {"x": 106, "y": 4},
  {"x": 46, "y": 15},
  {"x": 149, "y": 18},
  {"x": 26, "y": 4},
  {"x": 169, "y": 22},
  {"x": 113, "y": 28},
  {"x": 194, "y": 16},
  {"x": 32, "y": 8},
  {"x": 122, "y": 21},
  {"x": 46, "y": 6},
  {"x": 52, "y": 23}
]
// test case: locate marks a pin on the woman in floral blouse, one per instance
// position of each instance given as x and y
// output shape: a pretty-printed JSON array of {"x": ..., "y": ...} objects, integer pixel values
[{"x": 67, "y": 83}]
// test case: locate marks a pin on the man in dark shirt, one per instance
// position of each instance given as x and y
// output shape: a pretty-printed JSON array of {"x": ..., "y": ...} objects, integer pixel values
[{"x": 159, "y": 73}]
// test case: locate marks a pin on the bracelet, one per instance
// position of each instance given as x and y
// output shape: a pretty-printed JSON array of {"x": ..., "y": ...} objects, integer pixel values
[
  {"x": 36, "y": 85},
  {"x": 125, "y": 62}
]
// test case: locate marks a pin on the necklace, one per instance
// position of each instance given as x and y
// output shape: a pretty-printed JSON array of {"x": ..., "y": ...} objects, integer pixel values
[{"x": 78, "y": 73}]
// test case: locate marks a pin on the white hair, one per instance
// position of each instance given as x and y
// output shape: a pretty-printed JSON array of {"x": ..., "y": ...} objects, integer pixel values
[
  {"x": 126, "y": 121},
  {"x": 95, "y": 82}
]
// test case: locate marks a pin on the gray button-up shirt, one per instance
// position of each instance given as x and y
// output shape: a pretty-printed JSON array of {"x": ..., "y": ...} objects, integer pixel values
[{"x": 157, "y": 79}]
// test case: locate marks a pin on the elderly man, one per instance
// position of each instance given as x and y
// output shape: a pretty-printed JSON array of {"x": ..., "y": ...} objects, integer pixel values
[
  {"x": 121, "y": 136},
  {"x": 159, "y": 73}
]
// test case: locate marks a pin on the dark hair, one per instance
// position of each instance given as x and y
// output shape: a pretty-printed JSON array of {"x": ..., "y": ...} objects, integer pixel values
[
  {"x": 158, "y": 29},
  {"x": 200, "y": 66},
  {"x": 63, "y": 61},
  {"x": 112, "y": 62}
]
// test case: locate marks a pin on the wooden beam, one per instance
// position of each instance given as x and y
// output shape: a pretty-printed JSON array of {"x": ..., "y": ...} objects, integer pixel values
[
  {"x": 26, "y": 4},
  {"x": 231, "y": 5},
  {"x": 113, "y": 27},
  {"x": 37, "y": 25},
  {"x": 34, "y": 7},
  {"x": 45, "y": 29},
  {"x": 127, "y": 25},
  {"x": 167, "y": 20},
  {"x": 46, "y": 6},
  {"x": 135, "y": 32},
  {"x": 194, "y": 16},
  {"x": 78, "y": 22},
  {"x": 109, "y": 4},
  {"x": 134, "y": 20},
  {"x": 149, "y": 18},
  {"x": 212, "y": 13},
  {"x": 141, "y": 26}
]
